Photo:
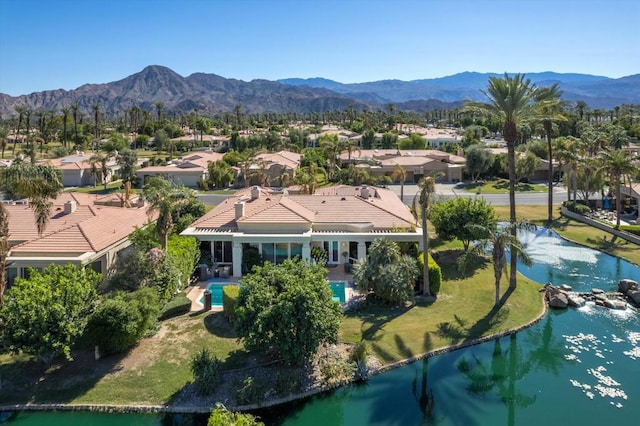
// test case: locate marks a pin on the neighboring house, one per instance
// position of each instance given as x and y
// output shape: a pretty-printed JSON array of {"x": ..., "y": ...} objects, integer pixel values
[
  {"x": 438, "y": 137},
  {"x": 341, "y": 220},
  {"x": 83, "y": 229},
  {"x": 187, "y": 170},
  {"x": 76, "y": 170},
  {"x": 274, "y": 165},
  {"x": 633, "y": 191},
  {"x": 416, "y": 163}
]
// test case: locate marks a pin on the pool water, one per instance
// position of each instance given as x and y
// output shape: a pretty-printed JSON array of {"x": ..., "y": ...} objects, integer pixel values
[
  {"x": 216, "y": 292},
  {"x": 339, "y": 291}
]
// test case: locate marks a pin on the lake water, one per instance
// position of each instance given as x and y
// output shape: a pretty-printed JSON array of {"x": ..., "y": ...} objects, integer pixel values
[{"x": 577, "y": 367}]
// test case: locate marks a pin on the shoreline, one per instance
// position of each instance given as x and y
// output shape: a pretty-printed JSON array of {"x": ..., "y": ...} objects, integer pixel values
[{"x": 177, "y": 409}]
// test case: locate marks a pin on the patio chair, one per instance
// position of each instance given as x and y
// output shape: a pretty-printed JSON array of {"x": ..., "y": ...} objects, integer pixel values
[{"x": 225, "y": 271}]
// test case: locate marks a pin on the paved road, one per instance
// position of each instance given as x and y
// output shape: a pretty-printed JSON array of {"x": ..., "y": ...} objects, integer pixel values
[{"x": 447, "y": 191}]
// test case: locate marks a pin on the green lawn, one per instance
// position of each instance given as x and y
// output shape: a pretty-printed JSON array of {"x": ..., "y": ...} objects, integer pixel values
[
  {"x": 500, "y": 186},
  {"x": 99, "y": 188}
]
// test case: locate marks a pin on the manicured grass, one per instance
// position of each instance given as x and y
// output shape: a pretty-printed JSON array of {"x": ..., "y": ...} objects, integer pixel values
[
  {"x": 99, "y": 188},
  {"x": 500, "y": 186},
  {"x": 463, "y": 311}
]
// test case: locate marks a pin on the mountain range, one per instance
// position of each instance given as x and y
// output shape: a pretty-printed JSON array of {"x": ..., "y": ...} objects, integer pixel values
[{"x": 211, "y": 93}]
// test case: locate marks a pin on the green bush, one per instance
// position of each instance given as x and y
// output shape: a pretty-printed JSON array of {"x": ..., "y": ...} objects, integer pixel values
[
  {"x": 576, "y": 207},
  {"x": 632, "y": 229},
  {"x": 249, "y": 391},
  {"x": 120, "y": 322},
  {"x": 230, "y": 294},
  {"x": 287, "y": 382},
  {"x": 206, "y": 371},
  {"x": 359, "y": 352},
  {"x": 220, "y": 416},
  {"x": 435, "y": 273},
  {"x": 179, "y": 305}
]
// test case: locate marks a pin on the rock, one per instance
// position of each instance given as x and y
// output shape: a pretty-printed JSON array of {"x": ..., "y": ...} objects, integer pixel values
[
  {"x": 635, "y": 296},
  {"x": 597, "y": 291},
  {"x": 558, "y": 300},
  {"x": 625, "y": 285},
  {"x": 576, "y": 301},
  {"x": 600, "y": 296},
  {"x": 565, "y": 287},
  {"x": 615, "y": 304}
]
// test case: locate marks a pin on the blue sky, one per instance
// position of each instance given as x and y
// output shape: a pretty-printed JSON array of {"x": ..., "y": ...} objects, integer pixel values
[{"x": 51, "y": 44}]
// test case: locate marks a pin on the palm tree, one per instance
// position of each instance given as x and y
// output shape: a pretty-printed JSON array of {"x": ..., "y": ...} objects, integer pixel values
[
  {"x": 159, "y": 106},
  {"x": 20, "y": 109},
  {"x": 65, "y": 115},
  {"x": 99, "y": 162},
  {"x": 27, "y": 121},
  {"x": 74, "y": 113},
  {"x": 498, "y": 241},
  {"x": 4, "y": 132},
  {"x": 96, "y": 117},
  {"x": 548, "y": 99},
  {"x": 4, "y": 247},
  {"x": 511, "y": 100},
  {"x": 618, "y": 163},
  {"x": 566, "y": 152},
  {"x": 128, "y": 162},
  {"x": 163, "y": 197},
  {"x": 39, "y": 183},
  {"x": 399, "y": 173},
  {"x": 427, "y": 188}
]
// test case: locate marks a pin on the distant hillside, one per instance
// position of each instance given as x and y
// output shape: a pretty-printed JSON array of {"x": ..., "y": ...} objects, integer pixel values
[
  {"x": 211, "y": 93},
  {"x": 597, "y": 91}
]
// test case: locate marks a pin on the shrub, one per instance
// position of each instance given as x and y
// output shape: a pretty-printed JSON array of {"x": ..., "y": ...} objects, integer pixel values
[
  {"x": 220, "y": 416},
  {"x": 576, "y": 207},
  {"x": 120, "y": 322},
  {"x": 632, "y": 229},
  {"x": 249, "y": 391},
  {"x": 230, "y": 294},
  {"x": 287, "y": 382},
  {"x": 203, "y": 185},
  {"x": 179, "y": 305},
  {"x": 435, "y": 273},
  {"x": 206, "y": 371},
  {"x": 319, "y": 256},
  {"x": 359, "y": 352}
]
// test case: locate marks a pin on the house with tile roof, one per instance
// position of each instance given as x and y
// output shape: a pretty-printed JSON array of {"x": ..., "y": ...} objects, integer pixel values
[
  {"x": 83, "y": 229},
  {"x": 341, "y": 220},
  {"x": 76, "y": 169},
  {"x": 416, "y": 163},
  {"x": 275, "y": 164},
  {"x": 187, "y": 170}
]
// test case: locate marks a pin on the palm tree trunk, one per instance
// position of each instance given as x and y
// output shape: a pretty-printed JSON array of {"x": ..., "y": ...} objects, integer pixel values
[
  {"x": 550, "y": 186},
  {"x": 512, "y": 210},
  {"x": 618, "y": 202},
  {"x": 426, "y": 290}
]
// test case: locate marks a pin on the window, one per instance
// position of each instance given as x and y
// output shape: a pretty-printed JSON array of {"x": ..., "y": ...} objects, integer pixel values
[{"x": 222, "y": 252}]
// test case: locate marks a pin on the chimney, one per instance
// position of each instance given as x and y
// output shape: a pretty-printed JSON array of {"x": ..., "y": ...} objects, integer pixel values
[
  {"x": 70, "y": 207},
  {"x": 255, "y": 192},
  {"x": 239, "y": 209},
  {"x": 364, "y": 191}
]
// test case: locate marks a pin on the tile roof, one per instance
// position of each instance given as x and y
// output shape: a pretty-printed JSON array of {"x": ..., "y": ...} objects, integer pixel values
[
  {"x": 330, "y": 205},
  {"x": 90, "y": 228}
]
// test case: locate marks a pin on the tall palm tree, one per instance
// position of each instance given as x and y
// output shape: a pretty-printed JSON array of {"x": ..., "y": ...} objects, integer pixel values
[
  {"x": 511, "y": 100},
  {"x": 550, "y": 108},
  {"x": 96, "y": 117},
  {"x": 27, "y": 121},
  {"x": 74, "y": 113},
  {"x": 20, "y": 109},
  {"x": 4, "y": 132},
  {"x": 618, "y": 163},
  {"x": 39, "y": 183},
  {"x": 159, "y": 107},
  {"x": 128, "y": 162},
  {"x": 498, "y": 241},
  {"x": 4, "y": 248},
  {"x": 163, "y": 197},
  {"x": 427, "y": 188},
  {"x": 65, "y": 115},
  {"x": 399, "y": 173}
]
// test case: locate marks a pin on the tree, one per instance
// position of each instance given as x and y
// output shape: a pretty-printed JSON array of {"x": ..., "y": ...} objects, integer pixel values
[
  {"x": 399, "y": 173},
  {"x": 220, "y": 416},
  {"x": 389, "y": 140},
  {"x": 221, "y": 174},
  {"x": 119, "y": 322},
  {"x": 128, "y": 162},
  {"x": 386, "y": 272},
  {"x": 451, "y": 217},
  {"x": 551, "y": 109},
  {"x": 498, "y": 241},
  {"x": 427, "y": 188},
  {"x": 4, "y": 248},
  {"x": 161, "y": 140},
  {"x": 40, "y": 183},
  {"x": 479, "y": 160},
  {"x": 288, "y": 307},
  {"x": 526, "y": 165},
  {"x": 100, "y": 164},
  {"x": 96, "y": 117},
  {"x": 45, "y": 314},
  {"x": 4, "y": 132},
  {"x": 65, "y": 116},
  {"x": 511, "y": 101},
  {"x": 414, "y": 141},
  {"x": 163, "y": 197},
  {"x": 618, "y": 163}
]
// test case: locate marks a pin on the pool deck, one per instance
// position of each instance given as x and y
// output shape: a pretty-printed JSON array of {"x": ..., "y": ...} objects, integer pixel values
[{"x": 336, "y": 273}]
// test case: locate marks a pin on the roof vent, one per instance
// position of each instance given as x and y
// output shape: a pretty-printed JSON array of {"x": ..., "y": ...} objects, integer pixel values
[
  {"x": 255, "y": 192},
  {"x": 70, "y": 207},
  {"x": 364, "y": 191}
]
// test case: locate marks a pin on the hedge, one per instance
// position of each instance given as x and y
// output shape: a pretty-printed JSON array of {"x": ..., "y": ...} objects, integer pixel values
[
  {"x": 576, "y": 207},
  {"x": 230, "y": 294},
  {"x": 179, "y": 305},
  {"x": 632, "y": 229},
  {"x": 435, "y": 273}
]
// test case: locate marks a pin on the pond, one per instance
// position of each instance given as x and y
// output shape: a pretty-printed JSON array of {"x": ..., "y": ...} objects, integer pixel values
[{"x": 578, "y": 366}]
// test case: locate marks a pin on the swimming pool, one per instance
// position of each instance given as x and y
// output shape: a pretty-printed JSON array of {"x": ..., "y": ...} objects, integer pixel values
[
  {"x": 216, "y": 292},
  {"x": 338, "y": 288}
]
